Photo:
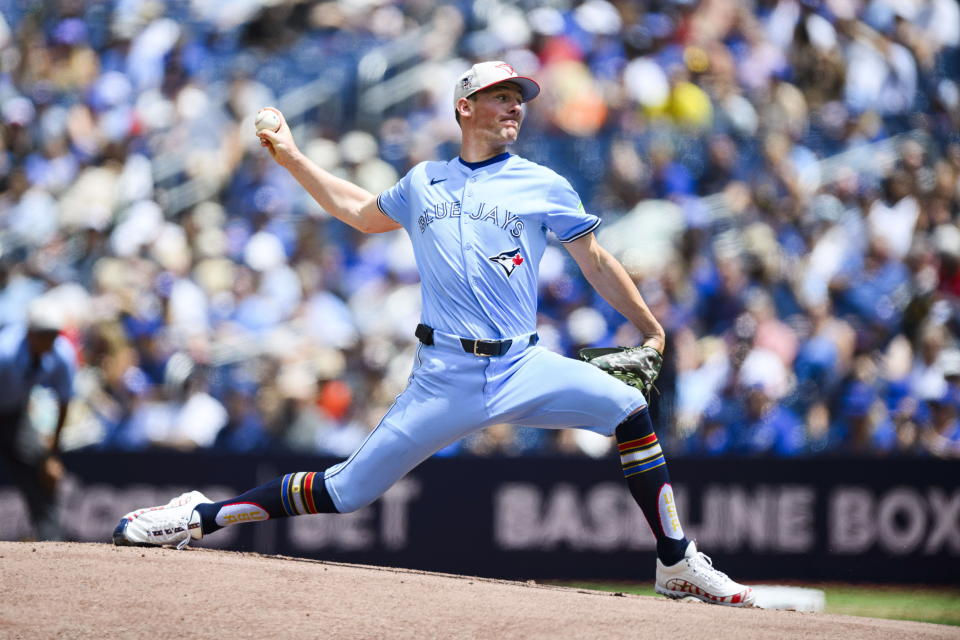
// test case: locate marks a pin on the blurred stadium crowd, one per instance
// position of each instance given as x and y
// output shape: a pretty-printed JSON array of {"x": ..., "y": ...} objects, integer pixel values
[{"x": 781, "y": 177}]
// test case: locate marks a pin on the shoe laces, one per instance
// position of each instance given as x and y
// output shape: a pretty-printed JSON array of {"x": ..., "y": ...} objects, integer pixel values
[
  {"x": 702, "y": 563},
  {"x": 170, "y": 515},
  {"x": 180, "y": 500},
  {"x": 169, "y": 520}
]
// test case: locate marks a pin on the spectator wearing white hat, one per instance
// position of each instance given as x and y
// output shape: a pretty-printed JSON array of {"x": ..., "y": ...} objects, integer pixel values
[{"x": 31, "y": 355}]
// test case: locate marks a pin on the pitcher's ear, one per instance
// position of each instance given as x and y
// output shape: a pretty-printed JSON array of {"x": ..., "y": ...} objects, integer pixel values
[{"x": 464, "y": 107}]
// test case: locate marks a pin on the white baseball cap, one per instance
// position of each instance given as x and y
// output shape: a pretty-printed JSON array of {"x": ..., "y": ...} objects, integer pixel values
[
  {"x": 44, "y": 314},
  {"x": 486, "y": 74}
]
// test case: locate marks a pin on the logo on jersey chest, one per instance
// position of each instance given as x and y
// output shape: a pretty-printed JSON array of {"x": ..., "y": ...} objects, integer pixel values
[
  {"x": 509, "y": 260},
  {"x": 485, "y": 212}
]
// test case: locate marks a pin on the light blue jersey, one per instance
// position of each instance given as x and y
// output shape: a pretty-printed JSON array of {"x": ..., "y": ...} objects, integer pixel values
[{"x": 478, "y": 233}]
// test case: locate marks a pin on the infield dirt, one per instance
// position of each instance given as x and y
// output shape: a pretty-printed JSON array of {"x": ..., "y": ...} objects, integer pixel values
[{"x": 76, "y": 590}]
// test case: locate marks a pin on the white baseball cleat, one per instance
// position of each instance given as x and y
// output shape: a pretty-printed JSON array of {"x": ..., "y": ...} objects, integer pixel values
[
  {"x": 174, "y": 523},
  {"x": 695, "y": 576}
]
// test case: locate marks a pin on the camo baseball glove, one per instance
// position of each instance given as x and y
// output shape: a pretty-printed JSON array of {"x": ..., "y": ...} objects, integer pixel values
[{"x": 635, "y": 366}]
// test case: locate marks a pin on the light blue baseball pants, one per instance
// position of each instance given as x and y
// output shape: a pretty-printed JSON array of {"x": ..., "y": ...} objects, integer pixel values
[{"x": 452, "y": 393}]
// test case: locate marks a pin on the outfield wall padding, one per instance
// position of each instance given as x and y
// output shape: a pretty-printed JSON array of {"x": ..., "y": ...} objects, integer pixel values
[{"x": 856, "y": 520}]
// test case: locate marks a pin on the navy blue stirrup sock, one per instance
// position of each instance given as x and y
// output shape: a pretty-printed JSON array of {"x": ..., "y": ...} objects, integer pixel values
[
  {"x": 294, "y": 494},
  {"x": 645, "y": 470}
]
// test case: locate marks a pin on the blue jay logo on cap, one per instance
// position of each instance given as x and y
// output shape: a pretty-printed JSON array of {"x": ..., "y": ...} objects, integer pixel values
[{"x": 509, "y": 260}]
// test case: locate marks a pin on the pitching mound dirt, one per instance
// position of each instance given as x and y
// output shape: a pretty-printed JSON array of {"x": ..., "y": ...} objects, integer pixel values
[{"x": 73, "y": 590}]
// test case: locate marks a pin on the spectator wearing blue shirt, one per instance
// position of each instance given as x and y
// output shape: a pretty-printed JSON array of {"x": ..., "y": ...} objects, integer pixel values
[
  {"x": 766, "y": 427},
  {"x": 941, "y": 433},
  {"x": 874, "y": 292},
  {"x": 245, "y": 430},
  {"x": 31, "y": 355},
  {"x": 869, "y": 429},
  {"x": 941, "y": 437},
  {"x": 713, "y": 438}
]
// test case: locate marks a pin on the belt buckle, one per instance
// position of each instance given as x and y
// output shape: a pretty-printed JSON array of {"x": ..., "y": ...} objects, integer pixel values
[{"x": 477, "y": 343}]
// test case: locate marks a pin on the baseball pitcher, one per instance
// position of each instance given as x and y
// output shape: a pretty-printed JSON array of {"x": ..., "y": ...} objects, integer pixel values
[{"x": 478, "y": 224}]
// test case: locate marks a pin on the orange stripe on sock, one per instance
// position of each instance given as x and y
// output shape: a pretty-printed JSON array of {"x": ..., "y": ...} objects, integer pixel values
[
  {"x": 640, "y": 442},
  {"x": 308, "y": 492}
]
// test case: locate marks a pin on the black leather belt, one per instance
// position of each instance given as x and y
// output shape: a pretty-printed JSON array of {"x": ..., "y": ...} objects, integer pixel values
[{"x": 486, "y": 348}]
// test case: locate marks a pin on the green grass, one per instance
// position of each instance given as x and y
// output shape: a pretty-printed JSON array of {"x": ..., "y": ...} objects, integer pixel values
[
  {"x": 923, "y": 604},
  {"x": 940, "y": 605}
]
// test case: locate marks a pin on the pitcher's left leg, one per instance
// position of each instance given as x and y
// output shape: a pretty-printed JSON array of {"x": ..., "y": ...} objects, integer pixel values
[
  {"x": 564, "y": 392},
  {"x": 645, "y": 470},
  {"x": 561, "y": 392},
  {"x": 681, "y": 569}
]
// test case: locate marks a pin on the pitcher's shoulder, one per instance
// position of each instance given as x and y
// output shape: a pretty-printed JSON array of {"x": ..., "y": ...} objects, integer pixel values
[
  {"x": 529, "y": 167},
  {"x": 434, "y": 169}
]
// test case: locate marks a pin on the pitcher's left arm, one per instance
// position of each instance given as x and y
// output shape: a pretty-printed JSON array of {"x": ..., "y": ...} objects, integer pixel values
[{"x": 610, "y": 279}]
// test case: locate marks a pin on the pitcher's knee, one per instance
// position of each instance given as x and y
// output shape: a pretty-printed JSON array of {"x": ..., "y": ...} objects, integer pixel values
[
  {"x": 637, "y": 425},
  {"x": 348, "y": 497}
]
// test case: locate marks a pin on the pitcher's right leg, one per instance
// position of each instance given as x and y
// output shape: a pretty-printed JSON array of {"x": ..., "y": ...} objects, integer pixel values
[{"x": 424, "y": 420}]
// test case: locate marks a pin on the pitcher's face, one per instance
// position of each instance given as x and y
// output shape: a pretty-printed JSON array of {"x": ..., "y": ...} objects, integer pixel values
[{"x": 496, "y": 113}]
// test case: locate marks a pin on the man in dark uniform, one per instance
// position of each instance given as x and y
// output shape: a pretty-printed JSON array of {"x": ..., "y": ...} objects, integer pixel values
[{"x": 31, "y": 355}]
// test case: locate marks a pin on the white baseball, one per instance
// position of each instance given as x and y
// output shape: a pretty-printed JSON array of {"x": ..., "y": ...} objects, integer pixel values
[{"x": 267, "y": 118}]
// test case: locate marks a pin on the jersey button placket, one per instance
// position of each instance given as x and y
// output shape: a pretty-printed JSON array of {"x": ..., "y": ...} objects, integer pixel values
[
  {"x": 466, "y": 206},
  {"x": 467, "y": 234}
]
